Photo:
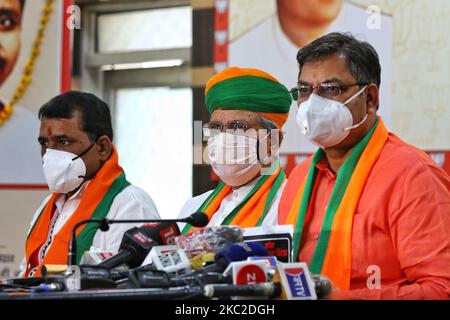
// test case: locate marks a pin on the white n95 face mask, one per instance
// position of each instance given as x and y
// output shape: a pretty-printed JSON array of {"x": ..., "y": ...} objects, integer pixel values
[
  {"x": 326, "y": 122},
  {"x": 234, "y": 158},
  {"x": 64, "y": 171}
]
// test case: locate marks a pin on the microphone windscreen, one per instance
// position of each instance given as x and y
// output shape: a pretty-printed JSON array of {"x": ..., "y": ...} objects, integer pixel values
[
  {"x": 322, "y": 285},
  {"x": 163, "y": 233},
  {"x": 258, "y": 249},
  {"x": 241, "y": 251},
  {"x": 198, "y": 219}
]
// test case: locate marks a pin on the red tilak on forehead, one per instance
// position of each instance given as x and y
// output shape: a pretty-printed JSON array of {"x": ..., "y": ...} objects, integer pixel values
[{"x": 49, "y": 132}]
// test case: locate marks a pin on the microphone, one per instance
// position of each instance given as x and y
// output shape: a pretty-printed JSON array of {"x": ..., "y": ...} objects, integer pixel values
[
  {"x": 235, "y": 252},
  {"x": 87, "y": 271},
  {"x": 169, "y": 259},
  {"x": 241, "y": 251},
  {"x": 161, "y": 279},
  {"x": 291, "y": 290},
  {"x": 210, "y": 273},
  {"x": 322, "y": 285},
  {"x": 142, "y": 277},
  {"x": 51, "y": 287},
  {"x": 209, "y": 239},
  {"x": 267, "y": 289},
  {"x": 197, "y": 219},
  {"x": 72, "y": 256},
  {"x": 138, "y": 241},
  {"x": 296, "y": 281},
  {"x": 277, "y": 240}
]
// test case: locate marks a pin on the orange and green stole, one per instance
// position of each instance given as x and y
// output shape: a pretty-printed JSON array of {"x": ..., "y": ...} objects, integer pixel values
[
  {"x": 253, "y": 208},
  {"x": 96, "y": 201},
  {"x": 332, "y": 256}
]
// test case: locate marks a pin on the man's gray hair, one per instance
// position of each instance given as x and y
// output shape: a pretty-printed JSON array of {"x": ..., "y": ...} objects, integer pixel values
[{"x": 266, "y": 123}]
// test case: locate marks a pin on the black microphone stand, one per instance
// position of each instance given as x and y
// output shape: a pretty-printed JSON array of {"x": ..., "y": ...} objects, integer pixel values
[
  {"x": 104, "y": 226},
  {"x": 72, "y": 258}
]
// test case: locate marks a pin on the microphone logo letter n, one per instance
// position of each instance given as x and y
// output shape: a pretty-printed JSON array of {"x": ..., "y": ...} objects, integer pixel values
[{"x": 250, "y": 274}]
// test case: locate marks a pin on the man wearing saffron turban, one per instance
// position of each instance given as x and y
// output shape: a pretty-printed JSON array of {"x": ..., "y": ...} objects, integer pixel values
[{"x": 248, "y": 108}]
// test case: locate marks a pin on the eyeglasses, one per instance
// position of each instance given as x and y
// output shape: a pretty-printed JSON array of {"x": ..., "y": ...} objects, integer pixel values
[
  {"x": 325, "y": 90},
  {"x": 238, "y": 127}
]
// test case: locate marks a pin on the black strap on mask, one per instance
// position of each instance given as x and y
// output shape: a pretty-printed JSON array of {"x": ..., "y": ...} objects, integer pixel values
[{"x": 84, "y": 152}]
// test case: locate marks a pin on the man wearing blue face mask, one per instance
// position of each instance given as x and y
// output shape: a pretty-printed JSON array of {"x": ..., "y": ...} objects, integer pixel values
[
  {"x": 370, "y": 211},
  {"x": 82, "y": 170}
]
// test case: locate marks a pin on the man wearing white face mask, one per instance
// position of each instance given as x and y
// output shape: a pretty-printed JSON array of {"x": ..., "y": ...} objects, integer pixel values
[
  {"x": 248, "y": 107},
  {"x": 370, "y": 211},
  {"x": 82, "y": 170}
]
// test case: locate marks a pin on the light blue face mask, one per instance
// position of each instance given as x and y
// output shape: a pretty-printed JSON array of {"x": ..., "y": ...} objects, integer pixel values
[{"x": 326, "y": 122}]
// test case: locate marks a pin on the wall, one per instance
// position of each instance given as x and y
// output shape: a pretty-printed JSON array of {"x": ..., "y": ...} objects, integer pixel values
[{"x": 17, "y": 209}]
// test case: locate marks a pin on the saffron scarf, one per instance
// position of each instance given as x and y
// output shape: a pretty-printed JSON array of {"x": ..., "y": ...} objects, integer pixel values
[
  {"x": 253, "y": 208},
  {"x": 332, "y": 256},
  {"x": 96, "y": 201}
]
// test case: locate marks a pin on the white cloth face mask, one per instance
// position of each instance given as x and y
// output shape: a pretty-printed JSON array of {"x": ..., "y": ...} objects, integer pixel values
[
  {"x": 326, "y": 122},
  {"x": 64, "y": 171},
  {"x": 234, "y": 158}
]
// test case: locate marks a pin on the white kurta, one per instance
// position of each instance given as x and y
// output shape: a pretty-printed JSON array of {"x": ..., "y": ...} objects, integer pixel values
[
  {"x": 231, "y": 201},
  {"x": 130, "y": 203}
]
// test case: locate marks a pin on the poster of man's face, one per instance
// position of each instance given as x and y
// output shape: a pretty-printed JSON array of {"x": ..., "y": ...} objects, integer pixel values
[
  {"x": 278, "y": 35},
  {"x": 20, "y": 21},
  {"x": 20, "y": 157},
  {"x": 314, "y": 11},
  {"x": 10, "y": 28}
]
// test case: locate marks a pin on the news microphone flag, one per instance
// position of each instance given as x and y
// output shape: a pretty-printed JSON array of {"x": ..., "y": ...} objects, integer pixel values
[{"x": 296, "y": 281}]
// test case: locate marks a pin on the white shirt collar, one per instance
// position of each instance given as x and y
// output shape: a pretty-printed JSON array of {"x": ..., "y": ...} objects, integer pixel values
[
  {"x": 61, "y": 199},
  {"x": 244, "y": 190}
]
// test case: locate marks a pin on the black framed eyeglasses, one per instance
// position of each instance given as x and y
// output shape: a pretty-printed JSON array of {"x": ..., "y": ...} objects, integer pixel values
[
  {"x": 237, "y": 127},
  {"x": 325, "y": 90}
]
